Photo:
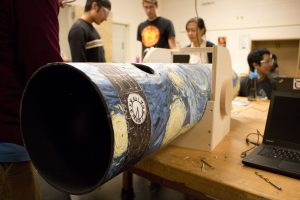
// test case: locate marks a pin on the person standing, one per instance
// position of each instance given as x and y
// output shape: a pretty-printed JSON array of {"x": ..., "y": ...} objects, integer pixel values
[
  {"x": 155, "y": 31},
  {"x": 196, "y": 31},
  {"x": 28, "y": 40},
  {"x": 84, "y": 40}
]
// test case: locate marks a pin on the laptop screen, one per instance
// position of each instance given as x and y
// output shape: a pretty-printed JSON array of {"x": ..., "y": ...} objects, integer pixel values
[
  {"x": 287, "y": 84},
  {"x": 181, "y": 58},
  {"x": 283, "y": 122}
]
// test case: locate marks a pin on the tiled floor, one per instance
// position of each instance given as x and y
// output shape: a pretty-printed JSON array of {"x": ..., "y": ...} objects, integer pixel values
[{"x": 112, "y": 191}]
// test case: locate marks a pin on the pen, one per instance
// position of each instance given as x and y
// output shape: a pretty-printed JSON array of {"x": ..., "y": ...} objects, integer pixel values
[
  {"x": 202, "y": 167},
  {"x": 268, "y": 181},
  {"x": 203, "y": 161}
]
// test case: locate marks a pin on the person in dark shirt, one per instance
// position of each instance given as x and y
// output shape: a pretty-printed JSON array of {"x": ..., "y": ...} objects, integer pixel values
[
  {"x": 28, "y": 40},
  {"x": 260, "y": 60},
  {"x": 274, "y": 73},
  {"x": 196, "y": 30},
  {"x": 155, "y": 31},
  {"x": 85, "y": 42}
]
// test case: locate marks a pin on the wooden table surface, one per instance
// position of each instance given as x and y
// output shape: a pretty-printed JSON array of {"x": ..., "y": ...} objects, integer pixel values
[{"x": 230, "y": 179}]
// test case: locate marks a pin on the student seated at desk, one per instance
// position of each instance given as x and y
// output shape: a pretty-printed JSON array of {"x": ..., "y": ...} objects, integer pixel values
[
  {"x": 274, "y": 69},
  {"x": 260, "y": 60}
]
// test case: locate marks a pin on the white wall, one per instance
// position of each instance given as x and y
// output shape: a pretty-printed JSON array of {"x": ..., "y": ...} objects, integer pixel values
[
  {"x": 129, "y": 12},
  {"x": 65, "y": 23},
  {"x": 236, "y": 20}
]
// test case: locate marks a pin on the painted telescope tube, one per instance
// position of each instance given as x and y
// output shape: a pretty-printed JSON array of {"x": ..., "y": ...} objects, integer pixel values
[{"x": 83, "y": 123}]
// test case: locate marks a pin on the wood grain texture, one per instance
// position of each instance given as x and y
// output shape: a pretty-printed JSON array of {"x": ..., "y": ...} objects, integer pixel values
[{"x": 230, "y": 179}]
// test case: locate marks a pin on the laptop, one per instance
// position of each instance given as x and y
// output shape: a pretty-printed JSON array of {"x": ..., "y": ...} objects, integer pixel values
[
  {"x": 280, "y": 149},
  {"x": 181, "y": 58},
  {"x": 287, "y": 84}
]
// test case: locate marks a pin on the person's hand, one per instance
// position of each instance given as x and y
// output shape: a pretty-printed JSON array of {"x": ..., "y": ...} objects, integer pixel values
[
  {"x": 64, "y": 3},
  {"x": 65, "y": 57}
]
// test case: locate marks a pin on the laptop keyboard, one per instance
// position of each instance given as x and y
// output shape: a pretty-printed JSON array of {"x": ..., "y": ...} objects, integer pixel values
[{"x": 280, "y": 154}]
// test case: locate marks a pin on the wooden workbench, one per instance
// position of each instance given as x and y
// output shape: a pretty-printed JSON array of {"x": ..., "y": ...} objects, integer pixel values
[{"x": 180, "y": 168}]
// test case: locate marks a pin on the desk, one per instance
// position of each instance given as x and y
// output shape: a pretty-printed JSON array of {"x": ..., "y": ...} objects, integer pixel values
[{"x": 180, "y": 168}]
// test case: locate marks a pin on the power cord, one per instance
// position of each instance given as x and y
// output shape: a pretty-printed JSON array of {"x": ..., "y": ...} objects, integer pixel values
[
  {"x": 248, "y": 142},
  {"x": 196, "y": 10}
]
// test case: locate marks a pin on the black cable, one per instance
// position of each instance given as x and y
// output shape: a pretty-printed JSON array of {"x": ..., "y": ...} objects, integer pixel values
[
  {"x": 251, "y": 142},
  {"x": 248, "y": 141},
  {"x": 196, "y": 10},
  {"x": 244, "y": 153}
]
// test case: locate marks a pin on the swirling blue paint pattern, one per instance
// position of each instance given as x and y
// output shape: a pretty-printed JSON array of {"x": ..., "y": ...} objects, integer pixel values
[{"x": 159, "y": 90}]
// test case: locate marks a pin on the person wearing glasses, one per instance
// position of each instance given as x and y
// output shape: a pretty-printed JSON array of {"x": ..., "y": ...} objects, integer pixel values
[
  {"x": 260, "y": 61},
  {"x": 274, "y": 73},
  {"x": 156, "y": 31},
  {"x": 84, "y": 40}
]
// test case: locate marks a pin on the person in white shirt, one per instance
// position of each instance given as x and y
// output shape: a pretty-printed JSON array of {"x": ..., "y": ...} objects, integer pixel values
[{"x": 196, "y": 30}]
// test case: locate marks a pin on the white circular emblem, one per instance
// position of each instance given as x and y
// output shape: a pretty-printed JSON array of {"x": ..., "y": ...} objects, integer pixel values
[{"x": 137, "y": 108}]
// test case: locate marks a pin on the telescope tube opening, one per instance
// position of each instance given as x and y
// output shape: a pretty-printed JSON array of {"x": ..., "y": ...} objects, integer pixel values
[{"x": 66, "y": 128}]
